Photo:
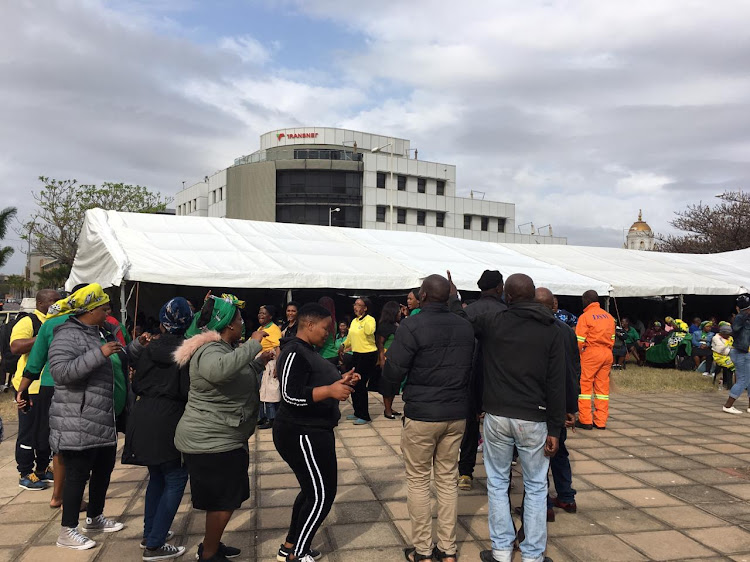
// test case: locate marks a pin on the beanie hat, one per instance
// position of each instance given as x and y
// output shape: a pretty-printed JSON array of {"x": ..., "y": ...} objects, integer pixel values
[{"x": 490, "y": 279}]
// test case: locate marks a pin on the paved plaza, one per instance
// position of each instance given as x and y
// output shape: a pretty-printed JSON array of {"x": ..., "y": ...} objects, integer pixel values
[{"x": 668, "y": 480}]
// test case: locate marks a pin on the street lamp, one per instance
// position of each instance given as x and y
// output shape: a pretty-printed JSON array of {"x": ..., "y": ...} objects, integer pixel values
[
  {"x": 331, "y": 210},
  {"x": 390, "y": 168}
]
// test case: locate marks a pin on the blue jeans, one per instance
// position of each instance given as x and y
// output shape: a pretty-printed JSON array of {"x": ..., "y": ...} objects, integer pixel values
[
  {"x": 500, "y": 434},
  {"x": 268, "y": 410},
  {"x": 166, "y": 484},
  {"x": 561, "y": 472},
  {"x": 742, "y": 373}
]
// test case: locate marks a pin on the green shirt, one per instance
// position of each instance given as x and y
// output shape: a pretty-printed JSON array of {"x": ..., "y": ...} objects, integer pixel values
[
  {"x": 415, "y": 311},
  {"x": 37, "y": 362},
  {"x": 329, "y": 349},
  {"x": 121, "y": 391}
]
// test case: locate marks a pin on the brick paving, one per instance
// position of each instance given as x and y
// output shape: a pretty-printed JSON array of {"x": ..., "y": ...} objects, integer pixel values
[{"x": 668, "y": 480}]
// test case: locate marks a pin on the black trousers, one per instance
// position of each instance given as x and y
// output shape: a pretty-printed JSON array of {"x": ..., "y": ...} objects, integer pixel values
[
  {"x": 469, "y": 445},
  {"x": 28, "y": 450},
  {"x": 311, "y": 454},
  {"x": 364, "y": 364},
  {"x": 96, "y": 464}
]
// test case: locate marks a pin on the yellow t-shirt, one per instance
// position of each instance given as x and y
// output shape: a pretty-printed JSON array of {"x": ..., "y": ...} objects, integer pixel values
[
  {"x": 361, "y": 336},
  {"x": 271, "y": 341},
  {"x": 24, "y": 329}
]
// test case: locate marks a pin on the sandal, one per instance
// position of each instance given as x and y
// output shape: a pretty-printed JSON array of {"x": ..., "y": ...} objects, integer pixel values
[{"x": 408, "y": 552}]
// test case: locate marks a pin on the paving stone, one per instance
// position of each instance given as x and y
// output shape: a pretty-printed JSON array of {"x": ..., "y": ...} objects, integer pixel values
[
  {"x": 477, "y": 526},
  {"x": 39, "y": 553},
  {"x": 632, "y": 465},
  {"x": 369, "y": 535},
  {"x": 727, "y": 540},
  {"x": 648, "y": 452},
  {"x": 613, "y": 481},
  {"x": 660, "y": 478},
  {"x": 718, "y": 460},
  {"x": 590, "y": 467},
  {"x": 15, "y": 534},
  {"x": 269, "y": 481},
  {"x": 358, "y": 512},
  {"x": 730, "y": 448},
  {"x": 699, "y": 494},
  {"x": 678, "y": 463},
  {"x": 645, "y": 497},
  {"x": 597, "y": 499},
  {"x": 713, "y": 476},
  {"x": 666, "y": 545},
  {"x": 685, "y": 517},
  {"x": 627, "y": 521},
  {"x": 739, "y": 510},
  {"x": 600, "y": 547},
  {"x": 577, "y": 525}
]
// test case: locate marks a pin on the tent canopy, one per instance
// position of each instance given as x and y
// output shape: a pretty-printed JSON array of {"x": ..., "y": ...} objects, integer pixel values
[{"x": 196, "y": 251}]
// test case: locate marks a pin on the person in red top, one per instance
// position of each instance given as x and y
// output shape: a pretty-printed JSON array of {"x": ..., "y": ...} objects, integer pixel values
[{"x": 595, "y": 332}]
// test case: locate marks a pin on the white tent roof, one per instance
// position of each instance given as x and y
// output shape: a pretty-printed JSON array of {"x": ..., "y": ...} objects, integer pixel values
[{"x": 197, "y": 251}]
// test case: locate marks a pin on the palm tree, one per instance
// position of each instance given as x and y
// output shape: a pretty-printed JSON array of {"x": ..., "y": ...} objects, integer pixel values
[{"x": 5, "y": 217}]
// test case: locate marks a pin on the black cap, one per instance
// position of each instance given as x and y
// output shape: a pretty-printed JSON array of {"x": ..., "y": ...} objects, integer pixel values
[
  {"x": 743, "y": 301},
  {"x": 490, "y": 279}
]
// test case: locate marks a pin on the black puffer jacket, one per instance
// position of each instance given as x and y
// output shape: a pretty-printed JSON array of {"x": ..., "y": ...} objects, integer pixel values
[
  {"x": 162, "y": 390},
  {"x": 433, "y": 351}
]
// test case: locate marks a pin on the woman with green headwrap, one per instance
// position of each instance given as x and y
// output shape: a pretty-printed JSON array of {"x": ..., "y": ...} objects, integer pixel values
[{"x": 219, "y": 416}]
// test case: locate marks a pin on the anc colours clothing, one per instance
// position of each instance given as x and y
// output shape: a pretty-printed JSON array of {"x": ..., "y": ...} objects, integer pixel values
[{"x": 361, "y": 336}]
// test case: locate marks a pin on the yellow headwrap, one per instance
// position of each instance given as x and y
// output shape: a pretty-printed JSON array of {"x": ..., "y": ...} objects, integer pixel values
[{"x": 83, "y": 300}]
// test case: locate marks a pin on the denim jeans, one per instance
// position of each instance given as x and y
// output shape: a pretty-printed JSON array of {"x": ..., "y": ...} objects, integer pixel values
[
  {"x": 267, "y": 410},
  {"x": 561, "y": 472},
  {"x": 166, "y": 485},
  {"x": 500, "y": 435},
  {"x": 742, "y": 372}
]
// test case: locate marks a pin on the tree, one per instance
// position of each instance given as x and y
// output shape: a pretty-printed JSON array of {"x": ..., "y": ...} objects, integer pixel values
[
  {"x": 52, "y": 278},
  {"x": 61, "y": 207},
  {"x": 721, "y": 228},
  {"x": 5, "y": 216},
  {"x": 18, "y": 284}
]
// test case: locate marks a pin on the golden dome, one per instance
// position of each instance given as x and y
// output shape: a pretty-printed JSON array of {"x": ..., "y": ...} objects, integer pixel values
[{"x": 640, "y": 225}]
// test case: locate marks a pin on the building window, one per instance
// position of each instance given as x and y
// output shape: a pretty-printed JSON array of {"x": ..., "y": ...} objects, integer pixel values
[
  {"x": 440, "y": 187},
  {"x": 421, "y": 218},
  {"x": 380, "y": 213},
  {"x": 440, "y": 220},
  {"x": 213, "y": 196},
  {"x": 401, "y": 216},
  {"x": 485, "y": 224},
  {"x": 501, "y": 225},
  {"x": 467, "y": 222},
  {"x": 221, "y": 194},
  {"x": 421, "y": 185},
  {"x": 381, "y": 180},
  {"x": 402, "y": 183}
]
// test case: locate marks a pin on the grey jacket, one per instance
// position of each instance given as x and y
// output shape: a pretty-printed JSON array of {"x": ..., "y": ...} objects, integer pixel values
[
  {"x": 223, "y": 400},
  {"x": 82, "y": 414}
]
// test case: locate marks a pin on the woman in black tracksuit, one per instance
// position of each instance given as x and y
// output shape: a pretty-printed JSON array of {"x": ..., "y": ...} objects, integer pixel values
[{"x": 311, "y": 389}]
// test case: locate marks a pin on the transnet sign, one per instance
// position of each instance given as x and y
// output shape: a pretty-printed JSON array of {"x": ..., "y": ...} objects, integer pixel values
[{"x": 280, "y": 136}]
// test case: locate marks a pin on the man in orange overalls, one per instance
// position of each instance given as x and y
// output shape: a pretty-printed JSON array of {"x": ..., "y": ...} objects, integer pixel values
[{"x": 596, "y": 336}]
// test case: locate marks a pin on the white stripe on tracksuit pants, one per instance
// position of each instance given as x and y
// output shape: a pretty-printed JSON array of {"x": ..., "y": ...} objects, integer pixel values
[{"x": 311, "y": 454}]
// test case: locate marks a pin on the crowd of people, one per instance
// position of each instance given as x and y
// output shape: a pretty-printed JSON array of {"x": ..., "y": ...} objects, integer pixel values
[{"x": 189, "y": 392}]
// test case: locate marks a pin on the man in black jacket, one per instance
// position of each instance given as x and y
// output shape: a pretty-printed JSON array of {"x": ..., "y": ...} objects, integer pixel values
[
  {"x": 433, "y": 352},
  {"x": 491, "y": 285},
  {"x": 524, "y": 404}
]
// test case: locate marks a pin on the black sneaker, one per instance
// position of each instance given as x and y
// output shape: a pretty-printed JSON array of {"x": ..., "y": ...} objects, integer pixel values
[
  {"x": 600, "y": 426},
  {"x": 224, "y": 550},
  {"x": 170, "y": 536},
  {"x": 284, "y": 553},
  {"x": 586, "y": 426}
]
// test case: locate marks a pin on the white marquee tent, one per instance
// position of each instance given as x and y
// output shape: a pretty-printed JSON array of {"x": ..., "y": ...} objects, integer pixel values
[{"x": 210, "y": 252}]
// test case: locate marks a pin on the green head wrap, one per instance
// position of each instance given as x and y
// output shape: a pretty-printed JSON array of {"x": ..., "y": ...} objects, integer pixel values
[{"x": 215, "y": 315}]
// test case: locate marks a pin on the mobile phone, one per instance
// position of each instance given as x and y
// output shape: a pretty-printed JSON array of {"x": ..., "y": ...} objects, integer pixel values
[{"x": 25, "y": 396}]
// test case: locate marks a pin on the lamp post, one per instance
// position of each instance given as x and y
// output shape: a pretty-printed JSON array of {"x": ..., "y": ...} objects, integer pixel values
[
  {"x": 390, "y": 168},
  {"x": 331, "y": 210}
]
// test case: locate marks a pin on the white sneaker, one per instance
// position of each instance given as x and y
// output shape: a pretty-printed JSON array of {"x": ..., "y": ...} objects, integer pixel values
[
  {"x": 707, "y": 374},
  {"x": 101, "y": 523},
  {"x": 69, "y": 537},
  {"x": 733, "y": 410}
]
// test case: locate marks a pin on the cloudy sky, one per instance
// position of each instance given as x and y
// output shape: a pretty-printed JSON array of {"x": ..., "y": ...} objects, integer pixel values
[{"x": 580, "y": 112}]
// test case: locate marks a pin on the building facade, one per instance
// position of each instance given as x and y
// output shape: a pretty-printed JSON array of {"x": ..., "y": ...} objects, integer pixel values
[
  {"x": 323, "y": 176},
  {"x": 640, "y": 236}
]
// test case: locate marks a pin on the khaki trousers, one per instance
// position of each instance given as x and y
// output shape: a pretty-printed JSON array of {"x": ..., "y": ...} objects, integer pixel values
[{"x": 428, "y": 447}]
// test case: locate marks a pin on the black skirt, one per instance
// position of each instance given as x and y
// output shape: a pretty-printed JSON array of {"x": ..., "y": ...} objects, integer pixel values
[{"x": 219, "y": 481}]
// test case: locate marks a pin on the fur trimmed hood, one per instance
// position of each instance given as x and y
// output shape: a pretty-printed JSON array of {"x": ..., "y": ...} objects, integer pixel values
[{"x": 185, "y": 352}]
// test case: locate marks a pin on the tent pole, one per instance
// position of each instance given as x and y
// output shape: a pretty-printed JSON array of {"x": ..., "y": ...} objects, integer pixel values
[
  {"x": 289, "y": 296},
  {"x": 123, "y": 307},
  {"x": 606, "y": 303},
  {"x": 680, "y": 305},
  {"x": 135, "y": 314}
]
